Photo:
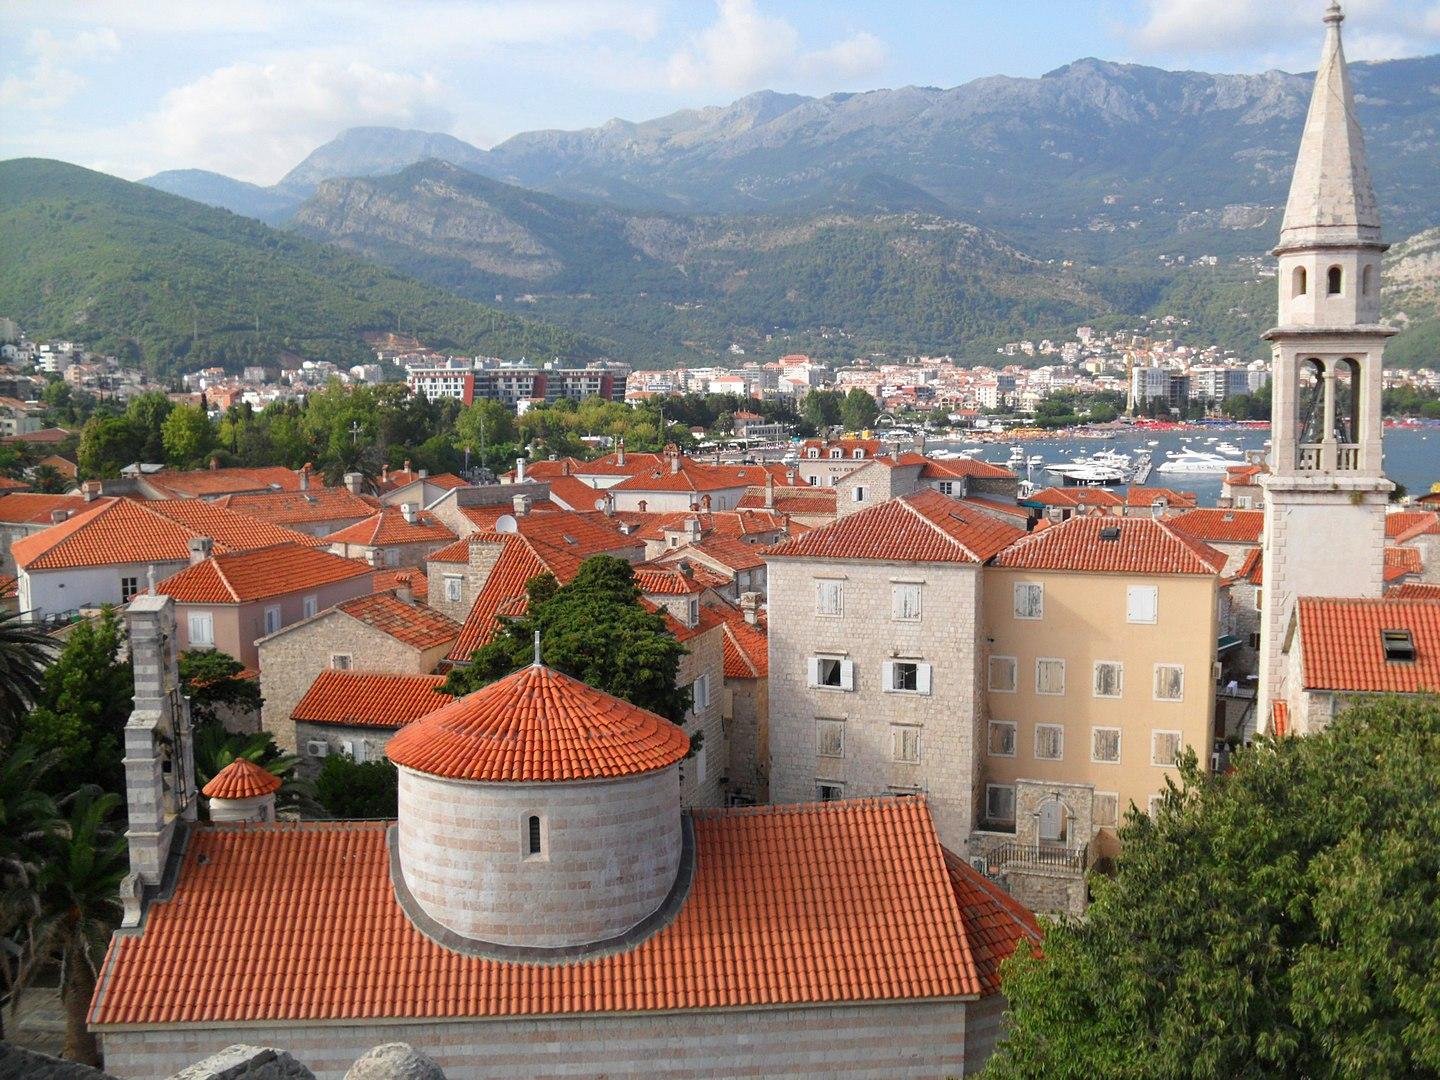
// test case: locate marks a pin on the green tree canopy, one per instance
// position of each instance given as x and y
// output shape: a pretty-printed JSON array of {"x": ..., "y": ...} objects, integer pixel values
[
  {"x": 363, "y": 789},
  {"x": 1281, "y": 920},
  {"x": 107, "y": 444},
  {"x": 208, "y": 678},
  {"x": 593, "y": 629},
  {"x": 188, "y": 435},
  {"x": 859, "y": 409}
]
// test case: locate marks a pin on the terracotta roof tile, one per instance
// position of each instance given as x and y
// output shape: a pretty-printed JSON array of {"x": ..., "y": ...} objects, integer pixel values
[
  {"x": 785, "y": 909},
  {"x": 9, "y": 586},
  {"x": 1401, "y": 526},
  {"x": 1402, "y": 562},
  {"x": 415, "y": 625},
  {"x": 239, "y": 577},
  {"x": 653, "y": 580},
  {"x": 538, "y": 725},
  {"x": 316, "y": 504},
  {"x": 413, "y": 576},
  {"x": 127, "y": 531},
  {"x": 1342, "y": 648},
  {"x": 1009, "y": 510},
  {"x": 727, "y": 551},
  {"x": 799, "y": 500},
  {"x": 402, "y": 477},
  {"x": 923, "y": 527},
  {"x": 201, "y": 482},
  {"x": 516, "y": 564},
  {"x": 389, "y": 526},
  {"x": 370, "y": 699},
  {"x": 730, "y": 524},
  {"x": 25, "y": 508},
  {"x": 241, "y": 779},
  {"x": 1146, "y": 497},
  {"x": 1140, "y": 546},
  {"x": 1220, "y": 526},
  {"x": 746, "y": 646},
  {"x": 691, "y": 476},
  {"x": 994, "y": 922},
  {"x": 964, "y": 466},
  {"x": 1076, "y": 497},
  {"x": 1414, "y": 590}
]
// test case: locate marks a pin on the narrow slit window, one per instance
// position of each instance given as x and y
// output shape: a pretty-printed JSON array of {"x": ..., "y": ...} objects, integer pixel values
[
  {"x": 532, "y": 835},
  {"x": 1334, "y": 280},
  {"x": 1300, "y": 285}
]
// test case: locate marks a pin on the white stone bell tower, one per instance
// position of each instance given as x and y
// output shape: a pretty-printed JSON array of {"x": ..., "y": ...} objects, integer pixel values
[{"x": 1326, "y": 493}]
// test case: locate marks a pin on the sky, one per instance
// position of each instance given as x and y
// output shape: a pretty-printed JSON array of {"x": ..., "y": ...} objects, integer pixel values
[{"x": 249, "y": 87}]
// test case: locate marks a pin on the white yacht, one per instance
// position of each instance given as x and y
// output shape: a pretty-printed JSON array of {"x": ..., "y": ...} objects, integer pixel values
[
  {"x": 1228, "y": 448},
  {"x": 1195, "y": 461}
]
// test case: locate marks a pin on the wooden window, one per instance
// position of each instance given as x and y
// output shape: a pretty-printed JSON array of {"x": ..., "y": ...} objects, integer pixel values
[
  {"x": 1142, "y": 603},
  {"x": 1002, "y": 674},
  {"x": 1029, "y": 600},
  {"x": 202, "y": 628},
  {"x": 1169, "y": 682},
  {"x": 1109, "y": 678},
  {"x": 905, "y": 602},
  {"x": 1105, "y": 744},
  {"x": 832, "y": 672},
  {"x": 454, "y": 588},
  {"x": 1164, "y": 747},
  {"x": 905, "y": 744},
  {"x": 829, "y": 791},
  {"x": 1002, "y": 738},
  {"x": 830, "y": 738},
  {"x": 1049, "y": 742},
  {"x": 829, "y": 597},
  {"x": 1049, "y": 675},
  {"x": 1000, "y": 804},
  {"x": 906, "y": 677},
  {"x": 129, "y": 587},
  {"x": 1105, "y": 809}
]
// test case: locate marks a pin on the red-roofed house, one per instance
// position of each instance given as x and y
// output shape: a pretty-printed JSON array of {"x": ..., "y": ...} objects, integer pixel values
[
  {"x": 746, "y": 701},
  {"x": 355, "y": 712},
  {"x": 1336, "y": 650},
  {"x": 316, "y": 511},
  {"x": 24, "y": 514},
  {"x": 384, "y": 632},
  {"x": 107, "y": 552},
  {"x": 394, "y": 536},
  {"x": 230, "y": 601},
  {"x": 213, "y": 482}
]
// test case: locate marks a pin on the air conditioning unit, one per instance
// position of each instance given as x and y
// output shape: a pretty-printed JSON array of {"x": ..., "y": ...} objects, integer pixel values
[
  {"x": 317, "y": 747},
  {"x": 980, "y": 864}
]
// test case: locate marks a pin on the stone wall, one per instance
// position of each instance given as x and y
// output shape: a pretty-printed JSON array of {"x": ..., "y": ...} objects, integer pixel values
[
  {"x": 610, "y": 855},
  {"x": 289, "y": 663},
  {"x": 947, "y": 718},
  {"x": 368, "y": 743},
  {"x": 747, "y": 708},
  {"x": 706, "y": 656},
  {"x": 846, "y": 1041}
]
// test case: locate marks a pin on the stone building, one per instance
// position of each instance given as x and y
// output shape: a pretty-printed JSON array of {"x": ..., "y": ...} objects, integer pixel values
[
  {"x": 377, "y": 632},
  {"x": 1326, "y": 492},
  {"x": 356, "y": 712},
  {"x": 745, "y": 706},
  {"x": 24, "y": 513},
  {"x": 543, "y": 904},
  {"x": 394, "y": 536},
  {"x": 877, "y": 667}
]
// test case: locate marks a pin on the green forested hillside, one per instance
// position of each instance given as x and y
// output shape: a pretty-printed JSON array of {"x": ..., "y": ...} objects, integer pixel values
[{"x": 176, "y": 284}]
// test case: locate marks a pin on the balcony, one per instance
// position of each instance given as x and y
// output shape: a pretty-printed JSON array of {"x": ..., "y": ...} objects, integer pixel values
[
  {"x": 1313, "y": 457},
  {"x": 1013, "y": 855}
]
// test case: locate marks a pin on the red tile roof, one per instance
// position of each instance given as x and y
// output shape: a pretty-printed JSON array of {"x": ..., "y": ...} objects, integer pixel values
[
  {"x": 731, "y": 524},
  {"x": 401, "y": 477},
  {"x": 1147, "y": 496},
  {"x": 922, "y": 527},
  {"x": 800, "y": 500},
  {"x": 389, "y": 580},
  {"x": 115, "y": 531},
  {"x": 1142, "y": 546},
  {"x": 691, "y": 476},
  {"x": 1401, "y": 526},
  {"x": 573, "y": 493},
  {"x": 963, "y": 466},
  {"x": 25, "y": 508},
  {"x": 389, "y": 526},
  {"x": 726, "y": 551},
  {"x": 243, "y": 576},
  {"x": 1341, "y": 644},
  {"x": 241, "y": 779},
  {"x": 995, "y": 923},
  {"x": 996, "y": 506},
  {"x": 808, "y": 904},
  {"x": 746, "y": 646},
  {"x": 1414, "y": 590},
  {"x": 1076, "y": 497},
  {"x": 368, "y": 699},
  {"x": 1251, "y": 570},
  {"x": 9, "y": 586},
  {"x": 1220, "y": 526},
  {"x": 1402, "y": 562},
  {"x": 485, "y": 517},
  {"x": 516, "y": 564},
  {"x": 317, "y": 504},
  {"x": 415, "y": 625},
  {"x": 655, "y": 580},
  {"x": 538, "y": 725},
  {"x": 202, "y": 482}
]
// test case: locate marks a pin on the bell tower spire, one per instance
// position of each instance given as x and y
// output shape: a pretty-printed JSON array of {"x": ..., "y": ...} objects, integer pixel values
[{"x": 1326, "y": 493}]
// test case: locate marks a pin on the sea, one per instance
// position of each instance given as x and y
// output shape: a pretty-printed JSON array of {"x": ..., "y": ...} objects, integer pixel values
[{"x": 1412, "y": 454}]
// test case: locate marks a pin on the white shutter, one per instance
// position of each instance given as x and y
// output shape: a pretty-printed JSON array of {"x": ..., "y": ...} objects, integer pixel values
[
  {"x": 1141, "y": 603},
  {"x": 922, "y": 678},
  {"x": 814, "y": 663},
  {"x": 847, "y": 674},
  {"x": 887, "y": 675}
]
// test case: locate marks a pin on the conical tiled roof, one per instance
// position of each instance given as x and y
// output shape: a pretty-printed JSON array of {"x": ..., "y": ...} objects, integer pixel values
[
  {"x": 241, "y": 779},
  {"x": 538, "y": 725},
  {"x": 1332, "y": 200}
]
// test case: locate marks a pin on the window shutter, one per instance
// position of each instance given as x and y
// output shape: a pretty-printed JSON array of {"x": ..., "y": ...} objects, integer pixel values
[
  {"x": 887, "y": 675},
  {"x": 847, "y": 674},
  {"x": 922, "y": 678},
  {"x": 814, "y": 663}
]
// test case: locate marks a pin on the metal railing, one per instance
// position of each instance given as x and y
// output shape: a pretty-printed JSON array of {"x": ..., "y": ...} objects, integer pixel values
[{"x": 1049, "y": 856}]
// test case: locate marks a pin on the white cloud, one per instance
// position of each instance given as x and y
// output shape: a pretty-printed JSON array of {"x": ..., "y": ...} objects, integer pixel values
[
  {"x": 745, "y": 49},
  {"x": 255, "y": 121},
  {"x": 51, "y": 79},
  {"x": 1285, "y": 33}
]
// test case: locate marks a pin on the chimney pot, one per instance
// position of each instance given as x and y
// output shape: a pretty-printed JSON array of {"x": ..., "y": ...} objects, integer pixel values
[
  {"x": 407, "y": 465},
  {"x": 200, "y": 549},
  {"x": 407, "y": 511},
  {"x": 214, "y": 463},
  {"x": 304, "y": 475},
  {"x": 520, "y": 470},
  {"x": 620, "y": 453},
  {"x": 57, "y": 516},
  {"x": 521, "y": 503},
  {"x": 424, "y": 473},
  {"x": 750, "y": 606},
  {"x": 353, "y": 480},
  {"x": 404, "y": 589}
]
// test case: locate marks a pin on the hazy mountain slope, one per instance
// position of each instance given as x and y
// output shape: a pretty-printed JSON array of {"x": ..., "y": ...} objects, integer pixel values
[
  {"x": 122, "y": 266},
  {"x": 213, "y": 189},
  {"x": 688, "y": 285},
  {"x": 1412, "y": 300},
  {"x": 375, "y": 151}
]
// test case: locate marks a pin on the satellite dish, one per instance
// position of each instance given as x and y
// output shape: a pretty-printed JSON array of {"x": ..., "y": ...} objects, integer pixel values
[
  {"x": 506, "y": 523},
  {"x": 600, "y": 504}
]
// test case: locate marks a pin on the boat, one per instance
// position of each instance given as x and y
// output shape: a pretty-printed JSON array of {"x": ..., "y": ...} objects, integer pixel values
[
  {"x": 1195, "y": 461},
  {"x": 1228, "y": 448},
  {"x": 1093, "y": 474}
]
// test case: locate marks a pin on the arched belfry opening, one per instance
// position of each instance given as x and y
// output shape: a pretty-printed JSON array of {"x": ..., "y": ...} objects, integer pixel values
[
  {"x": 1334, "y": 281},
  {"x": 1299, "y": 282}
]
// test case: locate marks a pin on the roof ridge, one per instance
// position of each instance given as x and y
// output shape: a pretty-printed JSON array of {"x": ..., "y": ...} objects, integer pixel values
[
  {"x": 905, "y": 501},
  {"x": 224, "y": 578}
]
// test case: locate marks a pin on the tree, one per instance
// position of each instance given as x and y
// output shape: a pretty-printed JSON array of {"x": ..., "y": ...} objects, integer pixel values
[
  {"x": 187, "y": 435},
  {"x": 25, "y": 649},
  {"x": 820, "y": 409},
  {"x": 1280, "y": 920},
  {"x": 215, "y": 748},
  {"x": 147, "y": 414},
  {"x": 593, "y": 629},
  {"x": 351, "y": 789},
  {"x": 79, "y": 907},
  {"x": 48, "y": 480},
  {"x": 208, "y": 678},
  {"x": 483, "y": 423},
  {"x": 84, "y": 702},
  {"x": 859, "y": 409},
  {"x": 28, "y": 820},
  {"x": 107, "y": 444}
]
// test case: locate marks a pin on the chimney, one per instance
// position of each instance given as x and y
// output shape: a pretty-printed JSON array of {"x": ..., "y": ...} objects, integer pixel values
[
  {"x": 565, "y": 467},
  {"x": 214, "y": 463},
  {"x": 353, "y": 481},
  {"x": 674, "y": 462},
  {"x": 57, "y": 516},
  {"x": 304, "y": 474},
  {"x": 692, "y": 527},
  {"x": 90, "y": 490},
  {"x": 520, "y": 470},
  {"x": 404, "y": 589},
  {"x": 201, "y": 548},
  {"x": 609, "y": 510},
  {"x": 424, "y": 473},
  {"x": 407, "y": 511},
  {"x": 792, "y": 475},
  {"x": 407, "y": 465},
  {"x": 159, "y": 756},
  {"x": 384, "y": 474},
  {"x": 750, "y": 606},
  {"x": 374, "y": 557},
  {"x": 685, "y": 568},
  {"x": 521, "y": 503},
  {"x": 1158, "y": 507},
  {"x": 769, "y": 491},
  {"x": 642, "y": 506},
  {"x": 620, "y": 453},
  {"x": 705, "y": 503},
  {"x": 920, "y": 441}
]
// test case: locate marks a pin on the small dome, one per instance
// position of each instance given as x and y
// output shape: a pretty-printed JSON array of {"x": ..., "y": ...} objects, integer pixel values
[
  {"x": 538, "y": 725},
  {"x": 241, "y": 779}
]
